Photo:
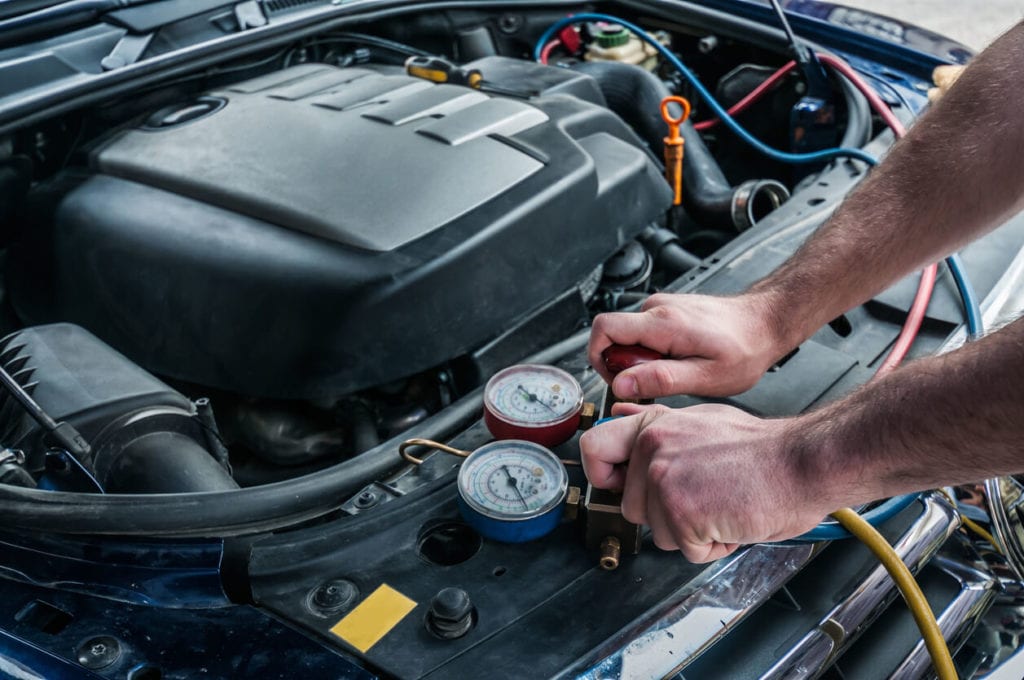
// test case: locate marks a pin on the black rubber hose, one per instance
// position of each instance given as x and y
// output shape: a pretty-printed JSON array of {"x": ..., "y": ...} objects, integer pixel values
[
  {"x": 667, "y": 251},
  {"x": 364, "y": 429},
  {"x": 15, "y": 475},
  {"x": 246, "y": 511},
  {"x": 858, "y": 115},
  {"x": 635, "y": 95},
  {"x": 165, "y": 462}
]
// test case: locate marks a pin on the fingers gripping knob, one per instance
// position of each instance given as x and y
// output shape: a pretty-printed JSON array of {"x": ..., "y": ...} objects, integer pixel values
[{"x": 618, "y": 358}]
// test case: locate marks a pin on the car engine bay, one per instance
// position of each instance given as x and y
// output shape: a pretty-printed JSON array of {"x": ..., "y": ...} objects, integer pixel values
[{"x": 232, "y": 292}]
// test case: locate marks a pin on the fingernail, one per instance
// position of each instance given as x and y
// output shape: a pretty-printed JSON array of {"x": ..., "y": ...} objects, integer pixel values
[{"x": 626, "y": 387}]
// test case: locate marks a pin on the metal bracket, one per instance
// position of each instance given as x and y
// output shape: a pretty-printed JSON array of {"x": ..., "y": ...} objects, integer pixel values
[{"x": 606, "y": 529}]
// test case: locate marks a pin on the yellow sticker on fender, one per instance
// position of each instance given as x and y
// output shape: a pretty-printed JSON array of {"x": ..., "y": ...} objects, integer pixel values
[{"x": 375, "y": 616}]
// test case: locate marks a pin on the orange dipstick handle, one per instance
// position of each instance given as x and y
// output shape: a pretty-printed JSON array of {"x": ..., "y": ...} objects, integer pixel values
[{"x": 674, "y": 145}]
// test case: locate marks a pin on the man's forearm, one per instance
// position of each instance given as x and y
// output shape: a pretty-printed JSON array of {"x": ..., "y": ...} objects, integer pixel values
[
  {"x": 957, "y": 174},
  {"x": 949, "y": 419}
]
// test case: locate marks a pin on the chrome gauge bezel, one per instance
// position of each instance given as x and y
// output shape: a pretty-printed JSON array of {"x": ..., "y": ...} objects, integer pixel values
[
  {"x": 475, "y": 459},
  {"x": 572, "y": 409}
]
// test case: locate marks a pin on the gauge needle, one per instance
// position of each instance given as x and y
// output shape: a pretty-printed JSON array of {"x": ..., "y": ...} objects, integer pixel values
[
  {"x": 534, "y": 397},
  {"x": 515, "y": 485}
]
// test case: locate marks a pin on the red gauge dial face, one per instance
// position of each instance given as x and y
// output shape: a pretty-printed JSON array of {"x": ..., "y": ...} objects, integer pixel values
[{"x": 533, "y": 402}]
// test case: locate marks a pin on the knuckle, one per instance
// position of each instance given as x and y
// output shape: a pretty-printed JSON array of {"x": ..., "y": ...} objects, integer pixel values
[
  {"x": 662, "y": 542},
  {"x": 652, "y": 438},
  {"x": 599, "y": 324},
  {"x": 663, "y": 377},
  {"x": 694, "y": 553},
  {"x": 656, "y": 300},
  {"x": 658, "y": 473},
  {"x": 664, "y": 313}
]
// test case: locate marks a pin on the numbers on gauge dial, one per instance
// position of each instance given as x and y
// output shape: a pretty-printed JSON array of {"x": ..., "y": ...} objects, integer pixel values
[
  {"x": 534, "y": 394},
  {"x": 513, "y": 481}
]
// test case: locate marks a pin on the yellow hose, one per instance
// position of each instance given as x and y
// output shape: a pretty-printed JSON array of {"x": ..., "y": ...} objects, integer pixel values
[
  {"x": 972, "y": 525},
  {"x": 911, "y": 592},
  {"x": 980, "y": 530}
]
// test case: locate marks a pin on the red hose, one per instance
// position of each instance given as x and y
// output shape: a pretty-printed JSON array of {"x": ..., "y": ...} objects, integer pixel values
[
  {"x": 926, "y": 286},
  {"x": 755, "y": 94},
  {"x": 880, "y": 107},
  {"x": 927, "y": 283},
  {"x": 546, "y": 51},
  {"x": 913, "y": 323}
]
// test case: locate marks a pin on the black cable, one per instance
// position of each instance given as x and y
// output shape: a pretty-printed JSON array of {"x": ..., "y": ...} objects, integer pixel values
[
  {"x": 358, "y": 39},
  {"x": 800, "y": 51},
  {"x": 817, "y": 80},
  {"x": 245, "y": 511},
  {"x": 63, "y": 433},
  {"x": 376, "y": 41},
  {"x": 858, "y": 114}
]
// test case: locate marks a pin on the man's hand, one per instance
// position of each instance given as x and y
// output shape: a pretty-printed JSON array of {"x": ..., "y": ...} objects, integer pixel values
[
  {"x": 719, "y": 346},
  {"x": 705, "y": 479}
]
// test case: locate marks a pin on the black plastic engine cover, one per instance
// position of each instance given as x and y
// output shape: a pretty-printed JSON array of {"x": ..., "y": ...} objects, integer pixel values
[{"x": 319, "y": 230}]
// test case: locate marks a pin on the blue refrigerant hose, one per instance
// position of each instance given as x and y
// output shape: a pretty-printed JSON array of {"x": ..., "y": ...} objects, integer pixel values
[
  {"x": 720, "y": 112},
  {"x": 826, "y": 531}
]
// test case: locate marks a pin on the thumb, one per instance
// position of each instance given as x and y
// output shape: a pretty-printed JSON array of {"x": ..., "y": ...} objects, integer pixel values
[{"x": 663, "y": 378}]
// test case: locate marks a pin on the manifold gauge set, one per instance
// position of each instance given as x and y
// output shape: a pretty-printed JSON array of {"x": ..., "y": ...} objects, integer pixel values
[{"x": 515, "y": 489}]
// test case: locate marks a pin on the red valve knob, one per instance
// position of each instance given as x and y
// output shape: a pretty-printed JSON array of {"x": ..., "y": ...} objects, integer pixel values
[{"x": 618, "y": 358}]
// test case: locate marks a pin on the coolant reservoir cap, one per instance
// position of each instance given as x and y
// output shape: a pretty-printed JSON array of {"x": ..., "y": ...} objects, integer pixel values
[{"x": 610, "y": 35}]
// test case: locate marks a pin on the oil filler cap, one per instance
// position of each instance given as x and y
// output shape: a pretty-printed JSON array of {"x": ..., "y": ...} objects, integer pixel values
[{"x": 451, "y": 614}]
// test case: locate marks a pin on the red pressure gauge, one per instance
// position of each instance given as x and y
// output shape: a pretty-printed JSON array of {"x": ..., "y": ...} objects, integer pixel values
[{"x": 533, "y": 402}]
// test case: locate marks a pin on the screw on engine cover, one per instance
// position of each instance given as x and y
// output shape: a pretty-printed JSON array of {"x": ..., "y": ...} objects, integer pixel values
[
  {"x": 451, "y": 614},
  {"x": 98, "y": 652},
  {"x": 510, "y": 23},
  {"x": 366, "y": 499},
  {"x": 332, "y": 597}
]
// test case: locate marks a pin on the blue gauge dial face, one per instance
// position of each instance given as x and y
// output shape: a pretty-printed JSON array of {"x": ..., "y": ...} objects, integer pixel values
[
  {"x": 513, "y": 480},
  {"x": 533, "y": 395}
]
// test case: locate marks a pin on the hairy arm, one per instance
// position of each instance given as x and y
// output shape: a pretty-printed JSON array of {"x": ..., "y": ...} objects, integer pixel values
[
  {"x": 957, "y": 174},
  {"x": 709, "y": 478},
  {"x": 949, "y": 419}
]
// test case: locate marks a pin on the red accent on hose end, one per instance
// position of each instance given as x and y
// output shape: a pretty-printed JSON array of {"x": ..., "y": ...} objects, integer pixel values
[
  {"x": 571, "y": 40},
  {"x": 618, "y": 358}
]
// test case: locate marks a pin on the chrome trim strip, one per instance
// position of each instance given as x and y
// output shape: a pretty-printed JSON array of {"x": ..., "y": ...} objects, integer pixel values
[
  {"x": 1003, "y": 304},
  {"x": 696, "y": 616},
  {"x": 840, "y": 627},
  {"x": 958, "y": 619}
]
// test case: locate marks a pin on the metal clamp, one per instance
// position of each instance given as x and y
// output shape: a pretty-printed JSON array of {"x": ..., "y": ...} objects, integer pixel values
[{"x": 12, "y": 457}]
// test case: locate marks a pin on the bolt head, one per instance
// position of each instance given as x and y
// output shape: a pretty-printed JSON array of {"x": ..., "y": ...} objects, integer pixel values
[
  {"x": 451, "y": 604},
  {"x": 332, "y": 597},
  {"x": 98, "y": 652},
  {"x": 367, "y": 499}
]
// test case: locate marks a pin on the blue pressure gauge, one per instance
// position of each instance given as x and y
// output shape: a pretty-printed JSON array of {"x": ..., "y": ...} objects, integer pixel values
[{"x": 512, "y": 491}]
